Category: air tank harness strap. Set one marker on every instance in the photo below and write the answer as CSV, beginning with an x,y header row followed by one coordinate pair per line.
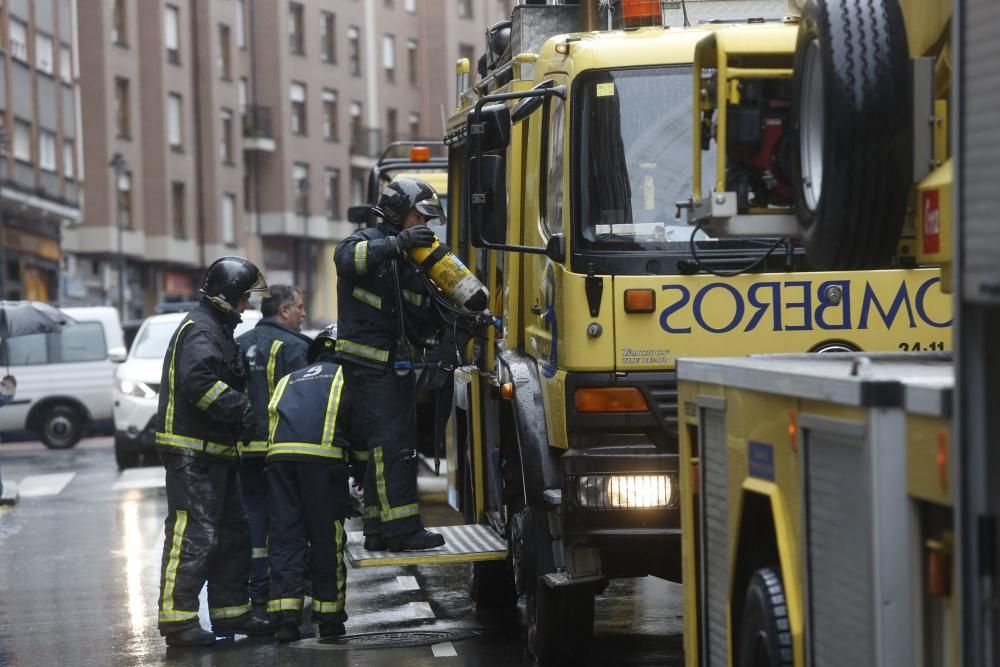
x,y
435,256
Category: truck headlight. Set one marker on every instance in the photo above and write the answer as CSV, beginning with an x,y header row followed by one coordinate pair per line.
x,y
140,389
625,491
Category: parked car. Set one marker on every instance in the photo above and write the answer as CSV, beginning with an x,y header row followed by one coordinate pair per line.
x,y
136,389
63,378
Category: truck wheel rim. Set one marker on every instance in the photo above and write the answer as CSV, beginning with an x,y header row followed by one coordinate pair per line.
x,y
60,428
812,122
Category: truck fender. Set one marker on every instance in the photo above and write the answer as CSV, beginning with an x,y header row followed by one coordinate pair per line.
x,y
539,463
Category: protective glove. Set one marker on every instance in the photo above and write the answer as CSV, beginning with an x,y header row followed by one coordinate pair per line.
x,y
419,236
248,424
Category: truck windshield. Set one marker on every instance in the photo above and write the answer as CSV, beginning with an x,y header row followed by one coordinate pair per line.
x,y
634,161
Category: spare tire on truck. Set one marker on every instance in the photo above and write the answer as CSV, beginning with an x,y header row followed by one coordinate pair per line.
x,y
852,112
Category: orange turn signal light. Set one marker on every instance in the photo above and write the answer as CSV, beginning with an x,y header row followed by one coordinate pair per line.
x,y
609,399
507,391
640,301
420,153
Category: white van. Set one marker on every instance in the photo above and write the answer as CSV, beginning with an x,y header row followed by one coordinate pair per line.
x,y
137,385
63,379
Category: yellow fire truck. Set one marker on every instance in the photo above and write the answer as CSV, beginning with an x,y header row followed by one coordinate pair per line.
x,y
817,493
569,163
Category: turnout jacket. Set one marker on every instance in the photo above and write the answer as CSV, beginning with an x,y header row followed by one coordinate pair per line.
x,y
310,416
270,351
201,389
368,325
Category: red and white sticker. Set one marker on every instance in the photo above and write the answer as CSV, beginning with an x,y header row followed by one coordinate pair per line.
x,y
932,222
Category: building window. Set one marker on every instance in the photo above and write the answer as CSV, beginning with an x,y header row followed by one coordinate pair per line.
x,y
297,94
119,29
241,27
69,158
229,219
226,140
18,38
225,70
389,4
411,59
354,50
175,133
122,107
389,57
65,64
43,53
390,125
328,37
465,9
172,34
125,198
330,115
178,206
300,183
410,6
22,141
357,140
467,51
47,150
242,91
414,126
332,191
296,31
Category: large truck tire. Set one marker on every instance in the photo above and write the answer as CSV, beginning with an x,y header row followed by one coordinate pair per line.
x,y
765,636
852,114
490,583
563,624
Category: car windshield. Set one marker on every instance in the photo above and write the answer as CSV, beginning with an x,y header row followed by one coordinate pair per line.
x,y
634,162
152,341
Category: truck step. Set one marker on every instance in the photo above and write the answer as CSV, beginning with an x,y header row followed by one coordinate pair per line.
x,y
463,544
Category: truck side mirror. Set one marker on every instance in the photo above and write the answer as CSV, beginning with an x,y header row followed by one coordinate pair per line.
x,y
555,249
488,210
360,215
493,128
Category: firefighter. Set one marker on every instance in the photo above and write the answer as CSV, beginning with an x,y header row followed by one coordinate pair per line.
x,y
384,308
202,414
271,350
307,457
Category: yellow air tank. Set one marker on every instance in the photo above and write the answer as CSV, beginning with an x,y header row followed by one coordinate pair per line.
x,y
448,272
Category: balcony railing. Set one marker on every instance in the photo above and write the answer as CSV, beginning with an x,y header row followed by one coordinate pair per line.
x,y
258,129
366,141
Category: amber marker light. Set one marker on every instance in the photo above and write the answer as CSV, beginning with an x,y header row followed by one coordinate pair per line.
x,y
640,301
507,391
609,399
420,153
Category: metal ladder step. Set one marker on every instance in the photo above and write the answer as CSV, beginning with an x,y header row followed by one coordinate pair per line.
x,y
463,544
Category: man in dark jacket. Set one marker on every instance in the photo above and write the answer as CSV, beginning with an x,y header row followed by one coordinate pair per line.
x,y
271,350
307,472
202,414
384,309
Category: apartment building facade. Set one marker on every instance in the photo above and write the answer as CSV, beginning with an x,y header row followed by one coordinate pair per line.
x,y
40,175
248,127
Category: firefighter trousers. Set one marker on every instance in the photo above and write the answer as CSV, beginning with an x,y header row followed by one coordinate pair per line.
x,y
384,410
207,539
253,486
308,504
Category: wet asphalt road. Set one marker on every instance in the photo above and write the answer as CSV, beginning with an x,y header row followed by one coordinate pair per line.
x,y
79,567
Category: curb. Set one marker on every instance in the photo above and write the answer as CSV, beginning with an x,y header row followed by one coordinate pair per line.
x,y
9,496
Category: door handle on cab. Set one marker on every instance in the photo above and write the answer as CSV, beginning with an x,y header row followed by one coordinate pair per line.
x,y
536,309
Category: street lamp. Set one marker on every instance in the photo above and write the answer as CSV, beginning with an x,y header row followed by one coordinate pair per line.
x,y
118,164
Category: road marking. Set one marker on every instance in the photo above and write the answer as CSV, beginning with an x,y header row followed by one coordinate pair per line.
x,y
44,485
141,478
408,583
444,650
421,610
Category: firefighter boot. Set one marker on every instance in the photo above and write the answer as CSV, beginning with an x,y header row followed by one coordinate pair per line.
x,y
374,543
331,630
288,632
190,637
416,541
250,626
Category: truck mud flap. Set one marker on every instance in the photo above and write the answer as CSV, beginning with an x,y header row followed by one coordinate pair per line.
x,y
463,544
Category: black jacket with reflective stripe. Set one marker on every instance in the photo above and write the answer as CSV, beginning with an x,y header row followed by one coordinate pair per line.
x,y
202,388
310,415
270,352
367,327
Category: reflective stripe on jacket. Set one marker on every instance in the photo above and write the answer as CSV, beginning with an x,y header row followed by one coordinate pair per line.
x,y
202,388
309,415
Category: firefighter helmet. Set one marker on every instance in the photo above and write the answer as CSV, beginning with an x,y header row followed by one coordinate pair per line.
x,y
323,345
229,279
406,193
